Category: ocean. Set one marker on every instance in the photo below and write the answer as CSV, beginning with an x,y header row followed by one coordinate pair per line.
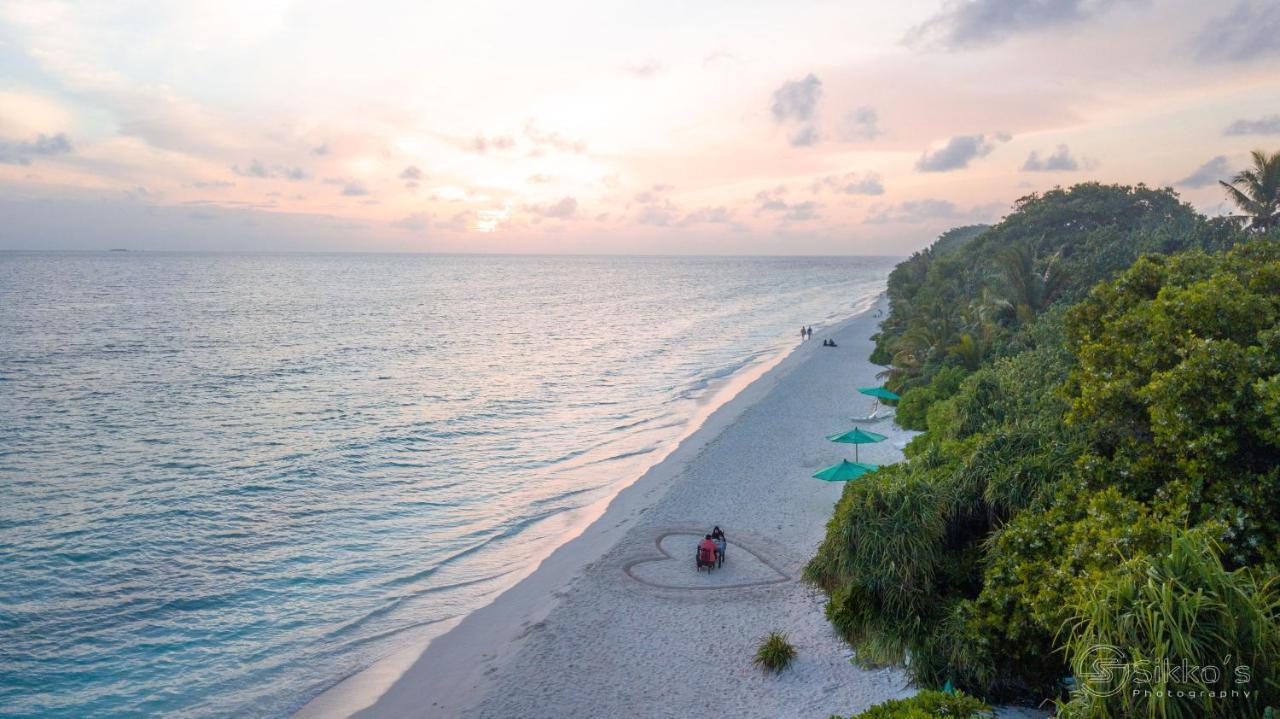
x,y
230,480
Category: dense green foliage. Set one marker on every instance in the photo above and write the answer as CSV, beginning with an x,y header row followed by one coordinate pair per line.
x,y
966,299
1177,607
1107,470
775,652
1256,191
929,705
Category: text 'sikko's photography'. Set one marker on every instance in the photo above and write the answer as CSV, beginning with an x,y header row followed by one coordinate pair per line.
x,y
564,360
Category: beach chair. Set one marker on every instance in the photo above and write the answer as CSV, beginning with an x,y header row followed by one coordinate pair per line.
x,y
877,413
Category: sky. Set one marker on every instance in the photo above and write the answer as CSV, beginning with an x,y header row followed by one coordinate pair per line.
x,y
856,127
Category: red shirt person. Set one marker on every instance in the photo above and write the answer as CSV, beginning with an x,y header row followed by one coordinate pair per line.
x,y
707,550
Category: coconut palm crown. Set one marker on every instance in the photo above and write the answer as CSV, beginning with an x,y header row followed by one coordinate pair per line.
x,y
1256,191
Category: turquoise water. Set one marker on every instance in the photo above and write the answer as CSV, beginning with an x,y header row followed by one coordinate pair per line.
x,y
231,480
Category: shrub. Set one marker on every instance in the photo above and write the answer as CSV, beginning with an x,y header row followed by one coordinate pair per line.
x,y
1166,613
1037,564
775,652
929,705
915,403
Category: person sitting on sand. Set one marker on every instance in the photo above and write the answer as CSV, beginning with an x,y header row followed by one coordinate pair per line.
x,y
707,551
717,536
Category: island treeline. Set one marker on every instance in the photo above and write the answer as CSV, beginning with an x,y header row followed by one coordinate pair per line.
x,y
1098,381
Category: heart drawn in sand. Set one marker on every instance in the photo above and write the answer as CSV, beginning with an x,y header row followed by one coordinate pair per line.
x,y
675,569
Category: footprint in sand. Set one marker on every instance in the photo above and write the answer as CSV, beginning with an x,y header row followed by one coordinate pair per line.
x,y
674,569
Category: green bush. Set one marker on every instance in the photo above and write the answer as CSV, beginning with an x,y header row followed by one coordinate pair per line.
x,y
775,652
1038,564
929,705
1177,609
913,409
1175,382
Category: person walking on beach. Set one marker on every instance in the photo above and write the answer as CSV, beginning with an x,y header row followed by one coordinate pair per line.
x,y
804,333
717,536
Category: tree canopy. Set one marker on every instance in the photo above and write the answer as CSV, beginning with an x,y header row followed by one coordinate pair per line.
x,y
1105,469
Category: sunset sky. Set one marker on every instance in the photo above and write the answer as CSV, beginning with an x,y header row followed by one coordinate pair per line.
x,y
625,127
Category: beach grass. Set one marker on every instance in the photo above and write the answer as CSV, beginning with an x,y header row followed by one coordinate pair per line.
x,y
775,653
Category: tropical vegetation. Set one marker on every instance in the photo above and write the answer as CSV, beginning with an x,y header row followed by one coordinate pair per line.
x,y
929,705
1256,191
775,652
1098,376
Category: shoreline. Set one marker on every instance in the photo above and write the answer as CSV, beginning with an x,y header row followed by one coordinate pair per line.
x,y
451,666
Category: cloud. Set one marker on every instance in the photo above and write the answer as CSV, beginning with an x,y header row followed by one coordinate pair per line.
x,y
958,153
354,188
481,144
862,123
416,222
1251,30
212,184
805,136
975,23
458,223
22,152
1269,125
716,57
661,214
772,202
708,215
851,184
261,170
412,176
543,139
1207,174
801,212
1060,161
655,208
320,150
797,99
540,179
563,209
931,210
647,68
653,194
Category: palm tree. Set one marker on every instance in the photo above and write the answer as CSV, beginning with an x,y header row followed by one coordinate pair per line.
x,y
1256,191
1028,288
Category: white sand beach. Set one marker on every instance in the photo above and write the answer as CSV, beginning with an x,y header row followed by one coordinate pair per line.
x,y
618,623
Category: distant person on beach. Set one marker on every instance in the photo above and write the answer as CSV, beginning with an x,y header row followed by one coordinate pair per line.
x,y
803,333
809,332
707,550
717,536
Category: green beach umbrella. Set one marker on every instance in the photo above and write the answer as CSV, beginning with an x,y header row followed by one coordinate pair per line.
x,y
878,393
855,437
844,471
